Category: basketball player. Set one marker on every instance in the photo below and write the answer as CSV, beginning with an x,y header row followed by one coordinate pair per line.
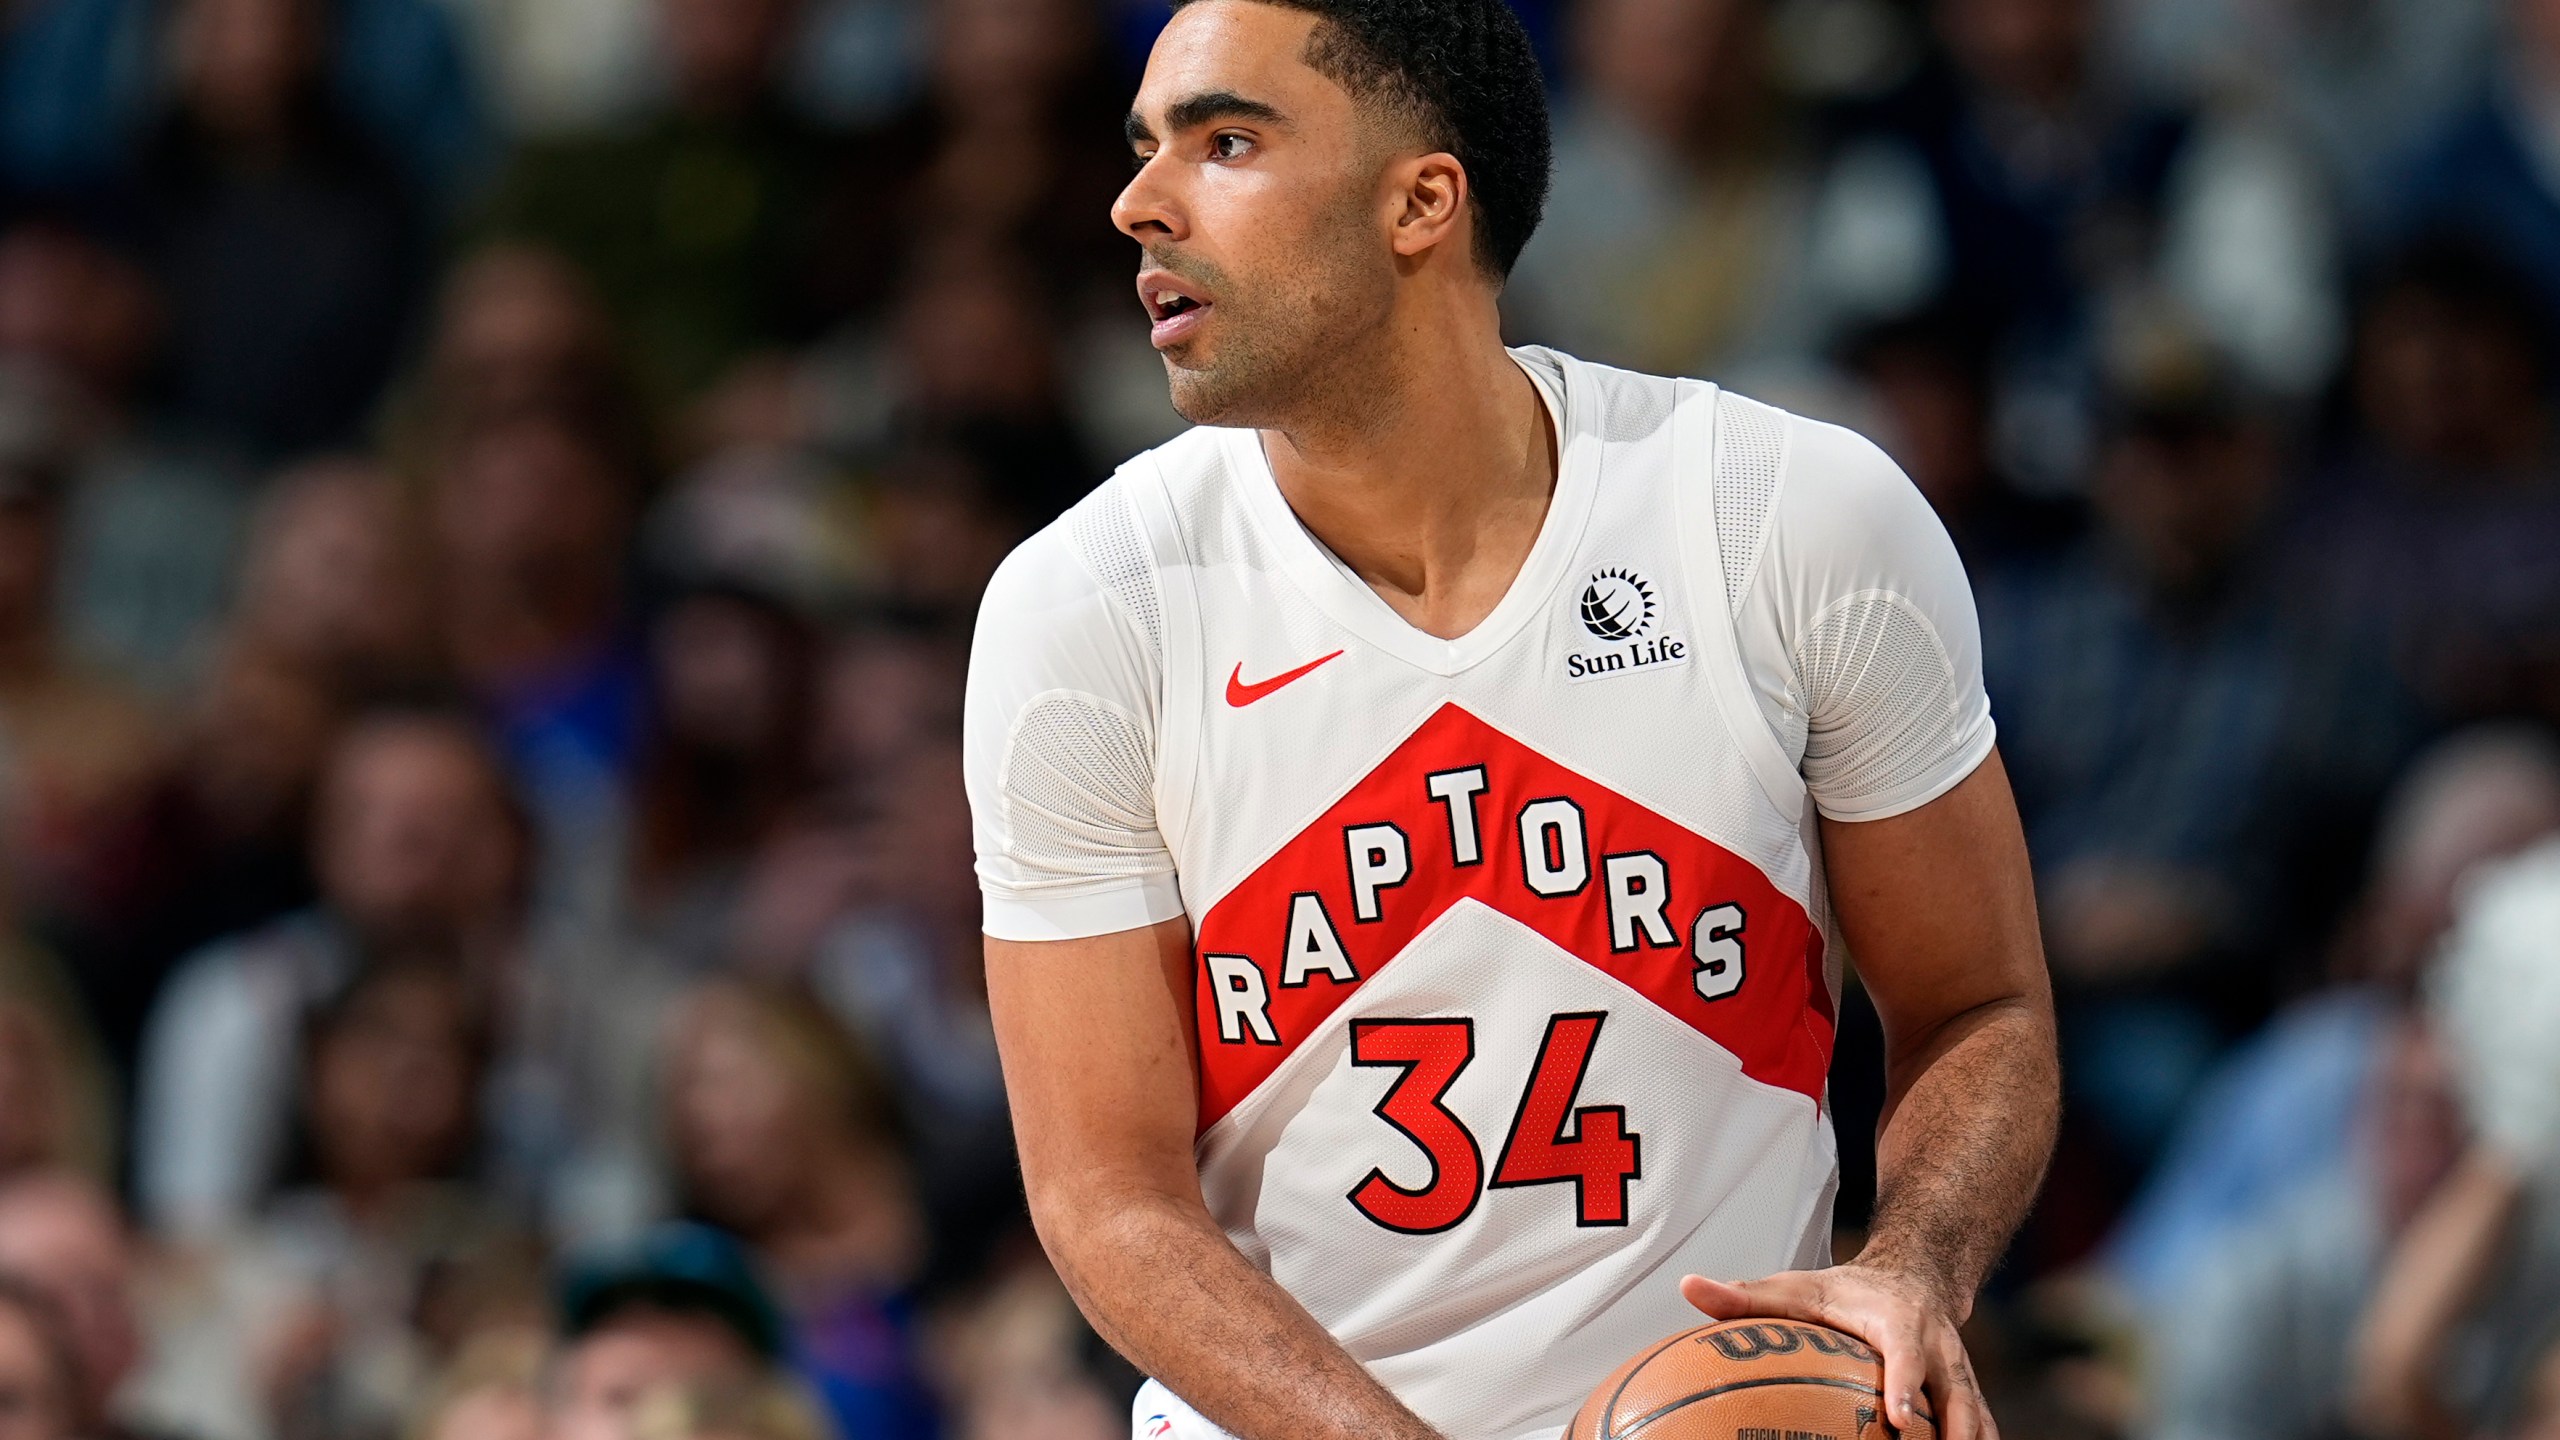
x,y
1424,811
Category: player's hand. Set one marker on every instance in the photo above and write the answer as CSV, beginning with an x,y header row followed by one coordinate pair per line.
x,y
1926,1374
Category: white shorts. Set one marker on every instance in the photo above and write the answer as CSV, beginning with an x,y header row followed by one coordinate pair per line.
x,y
1159,1414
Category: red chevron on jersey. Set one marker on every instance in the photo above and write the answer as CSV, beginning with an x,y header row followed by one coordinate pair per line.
x,y
1462,811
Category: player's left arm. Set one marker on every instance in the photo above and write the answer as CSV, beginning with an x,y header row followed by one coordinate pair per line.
x,y
1937,907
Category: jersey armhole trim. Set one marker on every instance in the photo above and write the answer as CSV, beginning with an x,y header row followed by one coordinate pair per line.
x,y
1694,496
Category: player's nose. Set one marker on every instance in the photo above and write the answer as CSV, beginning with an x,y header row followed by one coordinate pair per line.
x,y
1147,210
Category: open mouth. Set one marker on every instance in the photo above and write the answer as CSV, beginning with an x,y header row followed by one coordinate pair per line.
x,y
1174,305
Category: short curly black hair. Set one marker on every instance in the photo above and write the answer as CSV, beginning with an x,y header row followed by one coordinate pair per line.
x,y
1464,74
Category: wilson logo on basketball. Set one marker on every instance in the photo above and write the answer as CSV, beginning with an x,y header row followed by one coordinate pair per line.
x,y
1769,1337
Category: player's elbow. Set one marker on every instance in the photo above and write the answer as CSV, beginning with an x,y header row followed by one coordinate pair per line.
x,y
1096,1225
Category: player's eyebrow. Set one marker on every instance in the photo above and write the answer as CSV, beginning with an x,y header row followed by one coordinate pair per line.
x,y
1193,111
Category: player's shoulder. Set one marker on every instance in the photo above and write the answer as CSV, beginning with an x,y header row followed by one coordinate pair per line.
x,y
1766,465
1095,567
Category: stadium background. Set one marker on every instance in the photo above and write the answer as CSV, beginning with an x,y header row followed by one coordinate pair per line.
x,y
492,496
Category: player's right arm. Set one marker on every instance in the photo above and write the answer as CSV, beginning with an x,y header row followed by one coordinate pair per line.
x,y
1098,1062
1089,978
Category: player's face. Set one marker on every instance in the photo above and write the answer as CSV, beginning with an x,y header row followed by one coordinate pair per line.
x,y
1259,202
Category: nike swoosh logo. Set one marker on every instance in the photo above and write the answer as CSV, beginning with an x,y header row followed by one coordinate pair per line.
x,y
1240,694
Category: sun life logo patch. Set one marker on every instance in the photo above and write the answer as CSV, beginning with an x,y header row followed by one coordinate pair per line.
x,y
1617,605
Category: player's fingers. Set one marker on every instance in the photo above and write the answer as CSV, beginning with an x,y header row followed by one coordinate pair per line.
x,y
1791,1296
1908,1399
1896,1329
1963,1413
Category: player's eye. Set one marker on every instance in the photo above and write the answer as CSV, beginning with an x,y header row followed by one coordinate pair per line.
x,y
1138,161
1227,145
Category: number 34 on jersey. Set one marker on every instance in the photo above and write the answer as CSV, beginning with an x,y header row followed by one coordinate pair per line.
x,y
1464,815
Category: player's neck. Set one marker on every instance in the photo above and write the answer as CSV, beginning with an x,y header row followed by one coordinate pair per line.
x,y
1432,486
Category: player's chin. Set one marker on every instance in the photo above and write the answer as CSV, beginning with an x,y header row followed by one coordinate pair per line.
x,y
1197,392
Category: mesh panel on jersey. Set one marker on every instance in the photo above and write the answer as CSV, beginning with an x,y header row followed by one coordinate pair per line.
x,y
1105,532
1871,658
1078,790
1752,441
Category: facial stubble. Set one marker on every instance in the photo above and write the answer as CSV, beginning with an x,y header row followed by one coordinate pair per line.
x,y
1292,348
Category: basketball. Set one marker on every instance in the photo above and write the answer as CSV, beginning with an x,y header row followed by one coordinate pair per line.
x,y
1743,1380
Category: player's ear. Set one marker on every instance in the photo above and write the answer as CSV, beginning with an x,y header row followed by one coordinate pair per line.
x,y
1428,198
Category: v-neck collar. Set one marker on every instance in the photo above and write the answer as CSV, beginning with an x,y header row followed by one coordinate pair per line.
x,y
1349,601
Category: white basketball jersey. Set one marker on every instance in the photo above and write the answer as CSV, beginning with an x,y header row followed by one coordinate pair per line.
x,y
1515,980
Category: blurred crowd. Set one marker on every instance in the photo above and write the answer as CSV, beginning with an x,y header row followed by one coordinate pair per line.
x,y
492,498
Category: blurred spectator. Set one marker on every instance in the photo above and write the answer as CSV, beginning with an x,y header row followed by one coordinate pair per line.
x,y
1015,147
2259,1343
2496,994
719,226
334,1305
56,1108
2178,730
2414,1300
531,520
290,249
79,85
64,1238
2483,1259
1018,315
1928,380
330,613
2362,82
964,391
887,689
1675,237
763,509
2488,175
332,586
151,517
784,1135
901,964
38,1372
216,846
755,1411
1018,1361
2279,1113
731,679
2539,1417
946,511
2030,189
420,859
680,1307
518,333
972,327
76,750
2452,1336
2440,528
492,1391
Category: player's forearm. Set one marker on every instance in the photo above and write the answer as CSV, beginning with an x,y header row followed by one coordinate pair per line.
x,y
1163,1284
1968,1132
